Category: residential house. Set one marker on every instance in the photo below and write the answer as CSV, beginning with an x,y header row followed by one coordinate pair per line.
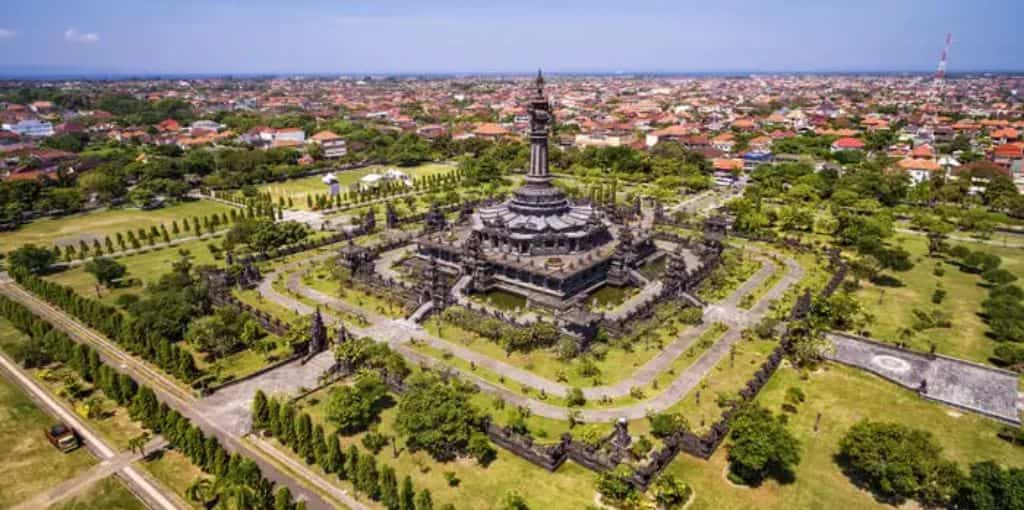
x,y
847,144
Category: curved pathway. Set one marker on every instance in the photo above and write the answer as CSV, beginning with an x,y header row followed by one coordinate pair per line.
x,y
397,333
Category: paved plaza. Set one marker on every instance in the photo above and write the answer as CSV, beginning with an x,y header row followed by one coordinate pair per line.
x,y
977,388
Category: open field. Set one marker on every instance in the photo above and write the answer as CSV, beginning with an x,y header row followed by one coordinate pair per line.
x,y
108,494
892,305
29,464
47,232
144,267
298,189
842,396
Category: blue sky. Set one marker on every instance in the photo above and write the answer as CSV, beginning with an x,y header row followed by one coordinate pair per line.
x,y
395,36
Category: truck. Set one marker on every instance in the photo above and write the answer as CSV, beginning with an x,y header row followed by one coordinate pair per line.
x,y
63,438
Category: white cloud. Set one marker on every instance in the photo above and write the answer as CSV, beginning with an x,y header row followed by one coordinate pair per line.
x,y
7,33
73,35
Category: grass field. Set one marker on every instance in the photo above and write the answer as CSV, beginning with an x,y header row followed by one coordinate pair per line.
x,y
144,267
298,189
29,464
176,472
47,232
892,305
108,494
843,396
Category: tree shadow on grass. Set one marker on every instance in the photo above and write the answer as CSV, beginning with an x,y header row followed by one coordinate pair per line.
x,y
885,280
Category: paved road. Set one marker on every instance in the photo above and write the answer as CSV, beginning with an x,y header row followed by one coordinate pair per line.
x,y
398,333
171,392
154,495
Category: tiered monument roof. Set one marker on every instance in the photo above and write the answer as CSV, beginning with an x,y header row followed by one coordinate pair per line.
x,y
538,207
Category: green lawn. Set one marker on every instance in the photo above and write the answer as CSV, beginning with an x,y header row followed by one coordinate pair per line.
x,y
108,494
842,396
144,267
892,306
46,232
298,189
29,464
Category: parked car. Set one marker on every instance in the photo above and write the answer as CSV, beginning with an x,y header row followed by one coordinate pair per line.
x,y
63,438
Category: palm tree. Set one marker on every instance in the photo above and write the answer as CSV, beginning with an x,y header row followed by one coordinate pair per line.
x,y
137,444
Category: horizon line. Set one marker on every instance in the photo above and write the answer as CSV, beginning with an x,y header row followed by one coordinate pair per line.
x,y
99,75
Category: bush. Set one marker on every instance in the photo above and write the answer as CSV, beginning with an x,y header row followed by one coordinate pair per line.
x,y
998,276
691,315
670,493
615,487
938,296
641,447
375,441
667,424
1009,354
481,450
574,398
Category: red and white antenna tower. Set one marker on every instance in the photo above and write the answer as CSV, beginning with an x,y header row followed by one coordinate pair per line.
x,y
940,74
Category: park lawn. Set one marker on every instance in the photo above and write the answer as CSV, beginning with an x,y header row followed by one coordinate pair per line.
x,y
892,307
175,472
298,189
571,487
46,232
616,365
238,364
107,494
29,464
838,394
146,268
322,281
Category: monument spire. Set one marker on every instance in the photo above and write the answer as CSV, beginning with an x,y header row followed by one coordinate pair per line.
x,y
540,119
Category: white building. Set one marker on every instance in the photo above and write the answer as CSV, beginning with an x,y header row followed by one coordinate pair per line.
x,y
30,127
290,134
